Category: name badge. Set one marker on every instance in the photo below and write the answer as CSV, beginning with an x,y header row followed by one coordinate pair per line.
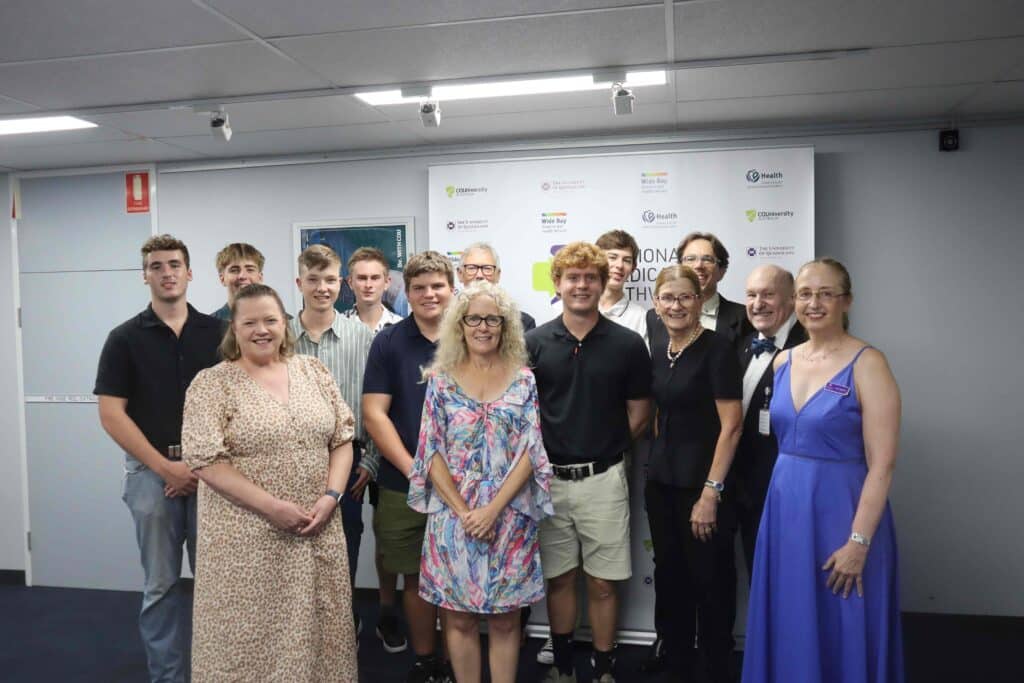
x,y
839,389
764,422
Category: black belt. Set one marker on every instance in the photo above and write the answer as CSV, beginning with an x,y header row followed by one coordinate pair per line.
x,y
585,469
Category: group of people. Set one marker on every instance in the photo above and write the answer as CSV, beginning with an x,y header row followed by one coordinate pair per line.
x,y
496,454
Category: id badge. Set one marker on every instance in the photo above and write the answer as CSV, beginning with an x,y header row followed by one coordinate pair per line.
x,y
764,422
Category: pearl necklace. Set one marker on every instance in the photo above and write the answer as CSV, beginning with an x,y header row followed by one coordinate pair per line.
x,y
673,357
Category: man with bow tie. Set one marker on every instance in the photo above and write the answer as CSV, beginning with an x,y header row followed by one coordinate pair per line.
x,y
770,304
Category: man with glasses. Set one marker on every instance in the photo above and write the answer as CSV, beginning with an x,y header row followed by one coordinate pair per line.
x,y
709,258
480,262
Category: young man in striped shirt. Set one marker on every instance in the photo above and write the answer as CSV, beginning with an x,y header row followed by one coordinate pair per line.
x,y
342,345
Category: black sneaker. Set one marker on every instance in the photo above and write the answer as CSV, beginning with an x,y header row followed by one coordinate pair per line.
x,y
655,657
391,635
421,673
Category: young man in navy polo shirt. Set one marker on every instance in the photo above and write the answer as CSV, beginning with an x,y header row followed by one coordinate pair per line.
x,y
145,367
393,394
593,384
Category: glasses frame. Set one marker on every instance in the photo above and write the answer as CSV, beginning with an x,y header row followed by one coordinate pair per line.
x,y
706,259
483,320
824,296
677,299
473,268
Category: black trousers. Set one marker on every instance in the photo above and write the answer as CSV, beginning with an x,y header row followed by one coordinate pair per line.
x,y
694,592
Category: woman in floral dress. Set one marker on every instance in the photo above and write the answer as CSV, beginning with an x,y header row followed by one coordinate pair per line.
x,y
482,475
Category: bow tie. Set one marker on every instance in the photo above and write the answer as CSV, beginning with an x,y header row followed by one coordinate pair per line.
x,y
759,346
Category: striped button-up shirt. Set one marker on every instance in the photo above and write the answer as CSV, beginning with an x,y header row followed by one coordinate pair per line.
x,y
343,348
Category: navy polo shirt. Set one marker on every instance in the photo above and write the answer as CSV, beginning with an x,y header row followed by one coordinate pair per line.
x,y
146,363
583,386
395,367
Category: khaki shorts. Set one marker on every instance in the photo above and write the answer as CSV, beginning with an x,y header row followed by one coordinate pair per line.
x,y
591,520
399,533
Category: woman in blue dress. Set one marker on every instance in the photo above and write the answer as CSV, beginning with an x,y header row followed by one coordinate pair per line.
x,y
824,597
481,474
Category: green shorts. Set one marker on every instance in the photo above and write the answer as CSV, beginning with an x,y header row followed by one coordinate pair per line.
x,y
399,532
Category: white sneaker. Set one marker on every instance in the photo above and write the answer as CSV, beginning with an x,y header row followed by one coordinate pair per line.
x,y
547,653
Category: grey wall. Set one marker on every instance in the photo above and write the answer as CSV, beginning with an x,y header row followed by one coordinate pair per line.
x,y
931,240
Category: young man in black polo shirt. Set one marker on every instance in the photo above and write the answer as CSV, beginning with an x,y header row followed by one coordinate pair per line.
x,y
593,383
393,394
145,367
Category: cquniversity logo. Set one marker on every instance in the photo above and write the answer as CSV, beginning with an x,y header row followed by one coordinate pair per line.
x,y
751,215
450,190
753,175
648,216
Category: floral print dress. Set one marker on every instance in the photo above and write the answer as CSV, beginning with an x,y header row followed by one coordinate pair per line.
x,y
481,442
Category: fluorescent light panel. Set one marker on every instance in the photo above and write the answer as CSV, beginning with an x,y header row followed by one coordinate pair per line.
x,y
539,86
42,125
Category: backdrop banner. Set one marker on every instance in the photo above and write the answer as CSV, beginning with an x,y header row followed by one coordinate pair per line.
x,y
760,203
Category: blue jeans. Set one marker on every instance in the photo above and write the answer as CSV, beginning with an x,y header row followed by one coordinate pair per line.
x,y
162,526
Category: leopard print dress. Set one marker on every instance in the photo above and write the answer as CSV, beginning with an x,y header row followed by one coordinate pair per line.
x,y
269,605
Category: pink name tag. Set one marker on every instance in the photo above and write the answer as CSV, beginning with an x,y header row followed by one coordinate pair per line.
x,y
837,389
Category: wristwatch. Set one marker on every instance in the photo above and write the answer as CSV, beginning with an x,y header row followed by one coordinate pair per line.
x,y
335,495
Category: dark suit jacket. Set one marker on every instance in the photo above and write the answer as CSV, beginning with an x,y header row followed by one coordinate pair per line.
x,y
528,322
732,323
756,453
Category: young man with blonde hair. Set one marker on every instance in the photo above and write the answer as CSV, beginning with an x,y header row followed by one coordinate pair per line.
x,y
238,264
393,395
145,367
369,277
593,383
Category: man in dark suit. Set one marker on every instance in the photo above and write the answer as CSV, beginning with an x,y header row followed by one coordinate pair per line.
x,y
709,258
769,292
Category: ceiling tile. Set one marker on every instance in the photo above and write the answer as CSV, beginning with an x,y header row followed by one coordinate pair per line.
x,y
636,36
44,29
303,141
198,73
851,107
91,154
995,98
752,27
247,117
271,18
945,64
9,106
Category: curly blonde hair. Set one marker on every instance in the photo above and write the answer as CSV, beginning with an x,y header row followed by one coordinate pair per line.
x,y
451,347
581,255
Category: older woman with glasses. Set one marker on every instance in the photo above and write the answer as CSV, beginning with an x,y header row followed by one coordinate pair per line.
x,y
697,391
825,563
481,474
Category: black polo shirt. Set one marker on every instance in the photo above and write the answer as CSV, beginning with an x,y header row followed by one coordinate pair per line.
x,y
685,395
144,362
395,367
583,387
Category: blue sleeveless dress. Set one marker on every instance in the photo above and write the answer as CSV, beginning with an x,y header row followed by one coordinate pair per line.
x,y
797,630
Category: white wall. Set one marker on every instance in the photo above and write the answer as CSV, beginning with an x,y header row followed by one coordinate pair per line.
x,y
932,242
12,524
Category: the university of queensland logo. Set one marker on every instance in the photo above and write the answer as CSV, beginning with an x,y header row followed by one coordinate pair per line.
x,y
451,225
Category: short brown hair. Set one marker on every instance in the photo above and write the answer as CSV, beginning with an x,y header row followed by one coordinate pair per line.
x,y
239,251
721,253
317,256
368,254
428,262
229,349
164,242
673,273
579,255
620,239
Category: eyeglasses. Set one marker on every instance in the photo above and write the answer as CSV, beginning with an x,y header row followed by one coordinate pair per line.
x,y
825,296
472,268
667,300
489,320
691,259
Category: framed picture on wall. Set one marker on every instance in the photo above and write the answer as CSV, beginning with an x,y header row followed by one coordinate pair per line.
x,y
393,236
